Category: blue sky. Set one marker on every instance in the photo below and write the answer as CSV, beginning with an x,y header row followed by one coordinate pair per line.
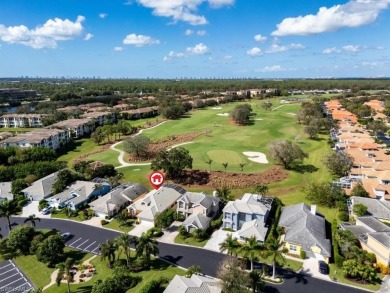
x,y
195,38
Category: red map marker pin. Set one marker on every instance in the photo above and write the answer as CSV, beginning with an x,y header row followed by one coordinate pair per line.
x,y
156,179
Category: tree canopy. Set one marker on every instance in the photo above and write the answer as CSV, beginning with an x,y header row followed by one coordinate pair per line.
x,y
137,145
325,194
172,162
242,114
338,163
286,152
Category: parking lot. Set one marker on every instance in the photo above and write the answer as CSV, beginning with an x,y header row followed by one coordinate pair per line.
x,y
84,244
12,279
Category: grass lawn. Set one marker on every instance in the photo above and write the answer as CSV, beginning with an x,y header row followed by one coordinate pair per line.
x,y
108,157
39,273
137,174
337,273
114,224
190,241
65,216
76,149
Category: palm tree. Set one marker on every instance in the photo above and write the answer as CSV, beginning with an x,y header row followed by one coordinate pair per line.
x,y
230,245
32,219
273,249
256,282
7,209
64,270
242,165
261,189
108,250
124,242
223,194
146,246
251,249
209,162
225,165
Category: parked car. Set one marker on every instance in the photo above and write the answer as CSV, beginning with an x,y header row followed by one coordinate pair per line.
x,y
323,267
66,236
46,210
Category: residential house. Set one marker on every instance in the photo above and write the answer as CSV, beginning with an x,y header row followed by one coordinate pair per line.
x,y
379,209
78,193
5,191
99,117
304,230
76,127
155,202
41,188
140,113
195,284
48,138
374,237
22,120
248,214
118,198
199,209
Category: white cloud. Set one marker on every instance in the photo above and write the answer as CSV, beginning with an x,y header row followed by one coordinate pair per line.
x,y
189,32
199,49
333,50
183,10
201,33
139,40
103,15
118,49
273,68
355,13
255,51
43,36
260,38
275,48
352,48
88,37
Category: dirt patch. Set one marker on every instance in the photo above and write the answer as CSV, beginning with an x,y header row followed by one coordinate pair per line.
x,y
216,179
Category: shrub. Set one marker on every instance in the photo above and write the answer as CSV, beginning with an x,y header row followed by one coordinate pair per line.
x,y
215,224
385,270
42,204
302,254
103,222
343,216
153,286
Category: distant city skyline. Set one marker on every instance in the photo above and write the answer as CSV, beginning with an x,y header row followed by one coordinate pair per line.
x,y
195,38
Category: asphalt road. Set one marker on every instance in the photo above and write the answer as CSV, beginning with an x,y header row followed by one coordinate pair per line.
x,y
185,256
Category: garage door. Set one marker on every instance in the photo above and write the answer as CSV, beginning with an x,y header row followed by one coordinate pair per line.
x,y
319,256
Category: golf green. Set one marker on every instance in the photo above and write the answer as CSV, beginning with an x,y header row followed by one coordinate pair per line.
x,y
225,156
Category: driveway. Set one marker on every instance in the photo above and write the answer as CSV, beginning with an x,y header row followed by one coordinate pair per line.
x,y
141,228
385,287
32,209
310,267
216,238
170,233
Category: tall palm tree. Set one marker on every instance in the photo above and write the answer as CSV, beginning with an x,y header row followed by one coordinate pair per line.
x,y
261,189
124,241
230,245
108,250
256,282
242,165
146,246
251,249
275,250
223,194
32,219
225,165
209,162
7,209
64,270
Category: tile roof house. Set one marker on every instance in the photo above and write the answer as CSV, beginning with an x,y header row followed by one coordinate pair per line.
x,y
248,214
199,209
155,202
78,193
195,284
304,229
41,188
379,209
5,191
114,201
374,237
76,127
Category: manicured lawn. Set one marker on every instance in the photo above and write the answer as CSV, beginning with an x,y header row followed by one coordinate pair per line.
x,y
138,174
190,241
337,273
76,149
108,157
65,216
127,227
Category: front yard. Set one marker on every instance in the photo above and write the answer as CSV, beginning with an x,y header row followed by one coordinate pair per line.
x,y
190,241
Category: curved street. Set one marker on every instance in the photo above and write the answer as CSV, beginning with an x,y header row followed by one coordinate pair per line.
x,y
183,256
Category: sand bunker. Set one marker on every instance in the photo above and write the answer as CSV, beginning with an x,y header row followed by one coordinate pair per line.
x,y
291,114
256,157
216,108
259,119
223,114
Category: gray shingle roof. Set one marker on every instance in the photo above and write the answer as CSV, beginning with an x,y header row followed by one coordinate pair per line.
x,y
195,284
304,228
253,228
373,224
42,187
198,220
248,204
376,208
382,237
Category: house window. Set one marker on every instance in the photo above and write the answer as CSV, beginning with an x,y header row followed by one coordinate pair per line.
x,y
241,217
227,216
293,247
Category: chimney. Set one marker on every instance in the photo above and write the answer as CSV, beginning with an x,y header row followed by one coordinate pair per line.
x,y
214,193
313,208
